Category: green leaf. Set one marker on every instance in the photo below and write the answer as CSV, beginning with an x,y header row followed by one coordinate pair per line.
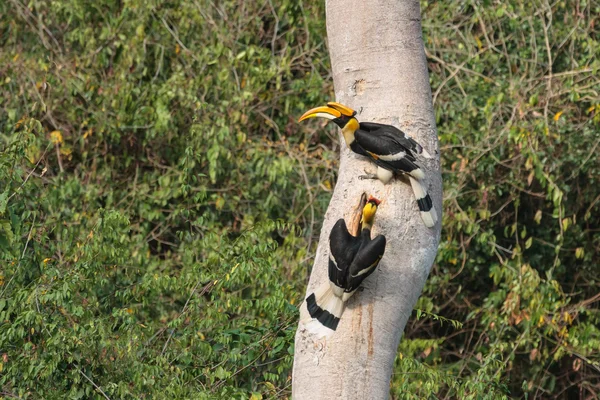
x,y
3,201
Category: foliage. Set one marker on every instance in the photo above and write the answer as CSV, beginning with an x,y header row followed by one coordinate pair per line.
x,y
516,97
159,206
153,207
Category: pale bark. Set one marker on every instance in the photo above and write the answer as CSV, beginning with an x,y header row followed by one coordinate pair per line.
x,y
379,67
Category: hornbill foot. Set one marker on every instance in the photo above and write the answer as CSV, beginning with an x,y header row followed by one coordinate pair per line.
x,y
368,176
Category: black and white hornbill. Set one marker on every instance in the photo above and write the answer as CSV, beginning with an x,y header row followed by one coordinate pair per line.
x,y
387,146
351,260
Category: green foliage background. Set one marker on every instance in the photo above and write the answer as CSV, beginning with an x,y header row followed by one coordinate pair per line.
x,y
160,207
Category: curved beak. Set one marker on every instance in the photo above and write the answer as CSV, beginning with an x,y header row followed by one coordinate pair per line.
x,y
321,112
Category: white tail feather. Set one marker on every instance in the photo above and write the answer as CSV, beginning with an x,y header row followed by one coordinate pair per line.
x,y
331,303
327,299
316,328
417,188
322,291
429,217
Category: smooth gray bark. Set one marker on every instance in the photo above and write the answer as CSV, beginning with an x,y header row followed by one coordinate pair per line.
x,y
379,67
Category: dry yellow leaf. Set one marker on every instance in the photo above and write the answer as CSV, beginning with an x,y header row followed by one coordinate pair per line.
x,y
56,137
479,44
557,115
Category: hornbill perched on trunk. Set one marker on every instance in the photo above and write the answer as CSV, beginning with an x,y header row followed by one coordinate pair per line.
x,y
351,260
390,148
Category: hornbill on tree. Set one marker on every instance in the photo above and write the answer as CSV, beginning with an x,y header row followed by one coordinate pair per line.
x,y
351,260
387,146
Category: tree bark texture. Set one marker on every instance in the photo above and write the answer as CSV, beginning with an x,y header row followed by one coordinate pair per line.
x,y
379,69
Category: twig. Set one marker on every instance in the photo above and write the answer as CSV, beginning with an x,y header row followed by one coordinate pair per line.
x,y
92,382
22,255
592,152
28,175
549,52
275,29
185,306
60,165
462,68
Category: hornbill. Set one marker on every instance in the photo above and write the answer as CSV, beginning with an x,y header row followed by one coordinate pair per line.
x,y
387,146
351,260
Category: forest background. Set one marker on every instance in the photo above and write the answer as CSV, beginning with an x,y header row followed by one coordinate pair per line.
x,y
160,206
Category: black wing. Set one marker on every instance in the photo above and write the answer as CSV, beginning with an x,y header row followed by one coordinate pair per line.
x,y
393,134
365,262
386,152
379,142
343,247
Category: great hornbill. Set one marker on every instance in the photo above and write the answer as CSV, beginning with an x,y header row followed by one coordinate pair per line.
x,y
387,146
351,260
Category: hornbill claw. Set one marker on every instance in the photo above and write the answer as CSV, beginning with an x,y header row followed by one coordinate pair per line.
x,y
367,176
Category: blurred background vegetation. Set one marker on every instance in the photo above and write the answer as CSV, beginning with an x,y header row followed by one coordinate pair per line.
x,y
160,207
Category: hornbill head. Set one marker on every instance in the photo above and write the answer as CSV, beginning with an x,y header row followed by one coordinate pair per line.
x,y
340,114
369,211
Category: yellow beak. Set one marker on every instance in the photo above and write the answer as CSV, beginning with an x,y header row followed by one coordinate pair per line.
x,y
322,112
369,213
342,108
332,111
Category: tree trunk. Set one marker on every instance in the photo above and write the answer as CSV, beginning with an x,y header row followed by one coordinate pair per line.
x,y
380,70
